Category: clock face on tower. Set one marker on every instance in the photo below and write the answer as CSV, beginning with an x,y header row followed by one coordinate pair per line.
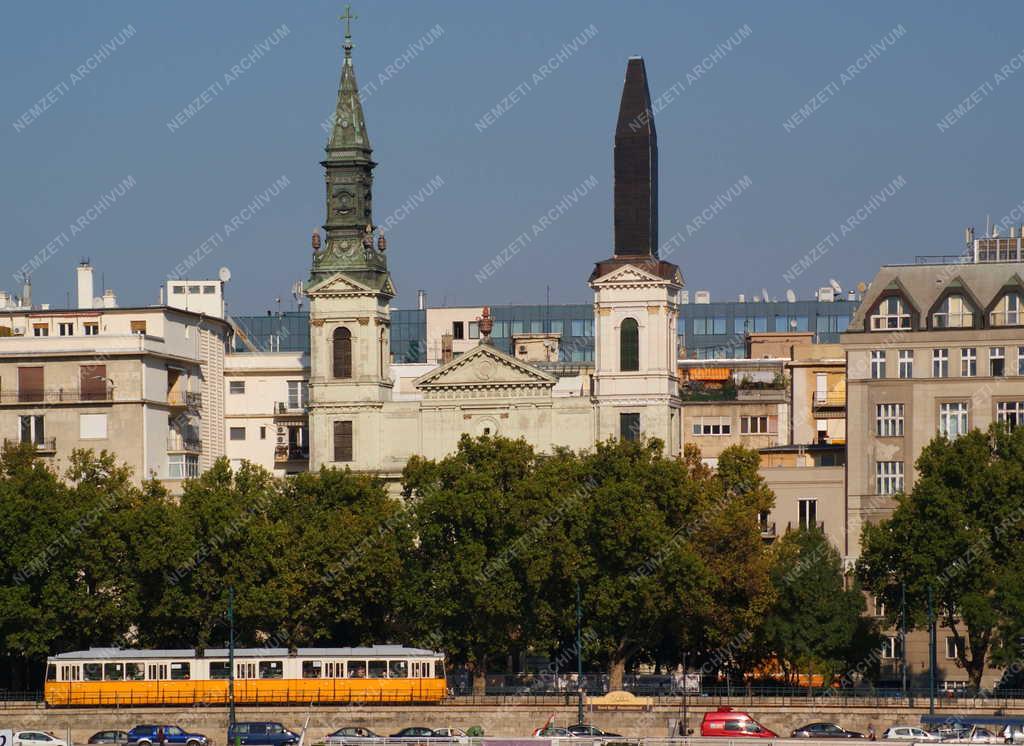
x,y
342,200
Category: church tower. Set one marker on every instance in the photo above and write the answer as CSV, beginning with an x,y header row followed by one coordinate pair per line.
x,y
636,294
350,292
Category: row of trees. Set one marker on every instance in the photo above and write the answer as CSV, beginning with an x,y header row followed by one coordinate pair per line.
x,y
482,559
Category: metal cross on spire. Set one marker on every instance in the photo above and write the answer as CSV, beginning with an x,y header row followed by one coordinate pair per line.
x,y
348,18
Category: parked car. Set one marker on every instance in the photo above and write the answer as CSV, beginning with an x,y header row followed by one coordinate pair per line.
x,y
976,734
261,733
414,732
453,734
109,736
553,732
590,730
36,738
825,730
908,733
351,736
730,723
148,735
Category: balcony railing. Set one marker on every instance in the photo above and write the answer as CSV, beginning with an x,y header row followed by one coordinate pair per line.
x,y
54,396
188,444
283,407
768,530
291,453
43,445
963,320
790,526
186,399
822,401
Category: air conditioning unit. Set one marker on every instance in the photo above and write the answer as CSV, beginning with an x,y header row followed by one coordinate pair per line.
x,y
826,295
702,296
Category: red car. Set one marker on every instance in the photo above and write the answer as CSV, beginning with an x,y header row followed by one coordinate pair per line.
x,y
731,723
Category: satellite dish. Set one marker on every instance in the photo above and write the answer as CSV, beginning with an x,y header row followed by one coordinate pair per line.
x,y
792,323
835,285
224,274
764,295
791,296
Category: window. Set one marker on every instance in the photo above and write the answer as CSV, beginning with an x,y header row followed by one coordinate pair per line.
x,y
953,419
952,649
709,325
1011,413
356,669
66,329
298,394
583,327
891,647
182,466
536,327
629,345
138,327
263,433
236,387
808,513
342,353
629,426
759,424
457,330
1020,361
940,363
954,313
1007,310
134,671
92,426
193,289
92,382
906,363
179,290
209,289
892,313
30,383
271,669
398,670
219,670
889,420
878,363
712,426
181,671
877,606
92,672
969,362
888,477
113,671
40,330
474,330
556,326
90,328
343,440
997,362
237,433
378,669
311,669
32,430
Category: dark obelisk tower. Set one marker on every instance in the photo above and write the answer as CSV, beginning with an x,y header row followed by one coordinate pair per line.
x,y
636,168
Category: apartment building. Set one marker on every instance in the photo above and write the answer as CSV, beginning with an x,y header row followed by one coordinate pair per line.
x,y
144,383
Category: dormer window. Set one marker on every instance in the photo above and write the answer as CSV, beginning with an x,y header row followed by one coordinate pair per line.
x,y
1007,311
954,313
892,313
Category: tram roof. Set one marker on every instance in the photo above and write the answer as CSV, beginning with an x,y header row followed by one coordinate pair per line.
x,y
382,651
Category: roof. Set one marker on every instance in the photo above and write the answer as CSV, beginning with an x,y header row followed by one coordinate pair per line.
x,y
384,651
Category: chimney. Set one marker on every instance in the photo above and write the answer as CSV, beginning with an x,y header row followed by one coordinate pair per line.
x,y
26,293
109,299
85,285
447,354
421,299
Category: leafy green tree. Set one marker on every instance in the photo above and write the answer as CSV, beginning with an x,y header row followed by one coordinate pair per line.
x,y
816,622
958,534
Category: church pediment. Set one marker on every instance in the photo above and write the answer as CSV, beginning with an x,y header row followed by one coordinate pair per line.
x,y
340,285
633,274
485,368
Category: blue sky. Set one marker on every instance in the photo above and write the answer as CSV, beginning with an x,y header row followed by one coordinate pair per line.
x,y
877,123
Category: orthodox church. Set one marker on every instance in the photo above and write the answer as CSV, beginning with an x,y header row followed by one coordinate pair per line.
x,y
371,415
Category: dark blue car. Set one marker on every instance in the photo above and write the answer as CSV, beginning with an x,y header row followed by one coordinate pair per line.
x,y
261,733
154,735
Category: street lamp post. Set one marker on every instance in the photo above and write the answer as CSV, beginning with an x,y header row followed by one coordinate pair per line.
x,y
931,654
579,655
231,663
903,638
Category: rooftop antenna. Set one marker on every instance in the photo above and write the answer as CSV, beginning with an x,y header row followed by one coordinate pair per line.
x,y
297,293
764,295
988,225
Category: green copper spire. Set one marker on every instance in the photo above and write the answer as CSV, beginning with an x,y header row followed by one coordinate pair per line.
x,y
351,246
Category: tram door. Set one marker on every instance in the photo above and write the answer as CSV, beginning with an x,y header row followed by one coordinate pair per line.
x,y
157,672
418,671
246,671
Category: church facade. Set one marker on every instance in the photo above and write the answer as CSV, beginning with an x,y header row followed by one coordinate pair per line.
x,y
371,415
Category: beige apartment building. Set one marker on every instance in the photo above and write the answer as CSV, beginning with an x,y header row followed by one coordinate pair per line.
x,y
143,383
934,349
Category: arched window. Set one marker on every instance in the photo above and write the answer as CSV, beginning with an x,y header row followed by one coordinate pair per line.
x,y
342,353
1009,311
629,345
382,354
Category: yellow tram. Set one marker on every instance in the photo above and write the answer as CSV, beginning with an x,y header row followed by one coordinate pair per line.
x,y
111,676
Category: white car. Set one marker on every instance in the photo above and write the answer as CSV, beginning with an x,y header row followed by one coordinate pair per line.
x,y
455,734
908,733
36,738
977,735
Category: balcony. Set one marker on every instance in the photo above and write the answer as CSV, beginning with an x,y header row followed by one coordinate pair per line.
x,y
768,531
70,395
43,445
179,443
801,525
825,404
284,454
185,399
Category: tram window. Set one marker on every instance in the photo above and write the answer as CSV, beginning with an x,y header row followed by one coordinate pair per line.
x,y
134,671
439,669
378,669
181,671
311,669
220,670
398,670
92,672
113,671
51,671
356,669
271,669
